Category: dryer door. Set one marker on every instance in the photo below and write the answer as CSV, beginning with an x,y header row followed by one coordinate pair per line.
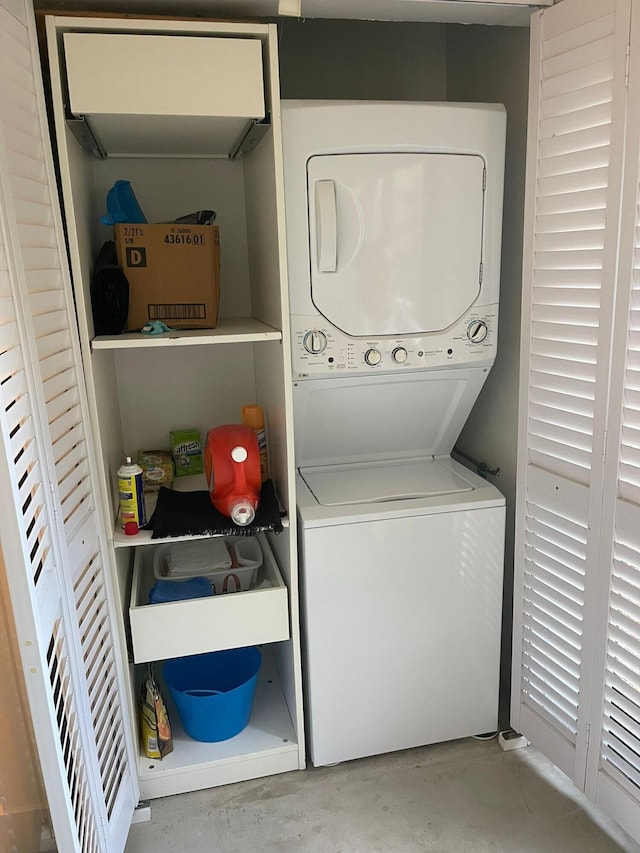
x,y
395,239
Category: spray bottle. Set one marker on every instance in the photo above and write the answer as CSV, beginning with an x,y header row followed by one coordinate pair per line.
x,y
133,514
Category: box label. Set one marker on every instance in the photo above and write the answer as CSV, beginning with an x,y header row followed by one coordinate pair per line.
x,y
184,239
136,256
174,311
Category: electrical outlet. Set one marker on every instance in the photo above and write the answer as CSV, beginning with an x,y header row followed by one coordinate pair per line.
x,y
512,740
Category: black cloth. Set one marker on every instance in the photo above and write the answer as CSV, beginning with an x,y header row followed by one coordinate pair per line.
x,y
193,514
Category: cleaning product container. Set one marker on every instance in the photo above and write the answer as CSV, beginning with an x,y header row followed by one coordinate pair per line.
x,y
213,693
232,468
133,514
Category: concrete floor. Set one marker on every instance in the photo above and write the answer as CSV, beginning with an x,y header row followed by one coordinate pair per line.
x,y
463,797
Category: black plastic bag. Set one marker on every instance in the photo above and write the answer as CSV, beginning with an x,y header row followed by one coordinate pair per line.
x,y
109,293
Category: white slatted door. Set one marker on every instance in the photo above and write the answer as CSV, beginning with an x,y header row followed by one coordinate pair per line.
x,y
52,536
614,761
577,98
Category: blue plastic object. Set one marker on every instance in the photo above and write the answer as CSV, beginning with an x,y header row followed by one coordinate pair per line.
x,y
122,205
155,327
163,591
213,693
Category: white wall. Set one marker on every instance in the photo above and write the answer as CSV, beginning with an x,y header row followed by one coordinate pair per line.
x,y
362,60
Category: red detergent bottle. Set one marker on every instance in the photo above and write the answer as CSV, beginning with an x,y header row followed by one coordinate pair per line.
x,y
232,468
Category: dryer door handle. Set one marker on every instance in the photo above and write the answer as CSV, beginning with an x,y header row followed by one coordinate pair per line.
x,y
326,226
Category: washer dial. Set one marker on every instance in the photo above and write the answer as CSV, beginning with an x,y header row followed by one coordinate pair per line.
x,y
315,342
373,357
400,355
477,331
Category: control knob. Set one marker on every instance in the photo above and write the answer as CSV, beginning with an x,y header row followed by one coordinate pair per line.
x,y
315,342
477,331
373,357
399,355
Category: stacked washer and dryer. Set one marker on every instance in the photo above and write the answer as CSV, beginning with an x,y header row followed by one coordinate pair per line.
x,y
394,217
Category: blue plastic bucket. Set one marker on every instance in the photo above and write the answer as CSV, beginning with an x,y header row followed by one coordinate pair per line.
x,y
213,693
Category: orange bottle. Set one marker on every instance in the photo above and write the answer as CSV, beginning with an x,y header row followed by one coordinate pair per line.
x,y
253,417
232,467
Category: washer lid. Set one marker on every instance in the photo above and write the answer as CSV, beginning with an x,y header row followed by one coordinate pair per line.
x,y
395,239
383,416
337,485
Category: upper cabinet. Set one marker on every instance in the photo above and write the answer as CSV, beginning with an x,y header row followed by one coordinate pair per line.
x,y
134,102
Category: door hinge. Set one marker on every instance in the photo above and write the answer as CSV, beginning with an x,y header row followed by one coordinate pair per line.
x,y
54,498
627,60
604,445
588,733
484,178
480,272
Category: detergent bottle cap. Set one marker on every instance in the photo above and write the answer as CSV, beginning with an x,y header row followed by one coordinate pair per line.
x,y
239,454
242,512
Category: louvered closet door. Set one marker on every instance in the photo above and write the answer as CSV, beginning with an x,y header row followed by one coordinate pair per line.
x,y
50,527
614,759
577,102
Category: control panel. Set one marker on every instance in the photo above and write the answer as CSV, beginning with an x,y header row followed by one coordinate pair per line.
x,y
319,349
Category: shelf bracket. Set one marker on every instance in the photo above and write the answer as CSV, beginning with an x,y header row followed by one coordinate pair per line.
x,y
79,127
251,137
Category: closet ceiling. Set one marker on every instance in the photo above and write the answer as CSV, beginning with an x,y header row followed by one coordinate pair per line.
x,y
514,13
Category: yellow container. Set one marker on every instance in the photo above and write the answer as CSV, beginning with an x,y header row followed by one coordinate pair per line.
x,y
253,416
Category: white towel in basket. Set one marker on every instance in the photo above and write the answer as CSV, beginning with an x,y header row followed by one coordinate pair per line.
x,y
200,557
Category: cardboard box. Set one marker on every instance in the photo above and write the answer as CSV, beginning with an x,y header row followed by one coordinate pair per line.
x,y
173,272
157,469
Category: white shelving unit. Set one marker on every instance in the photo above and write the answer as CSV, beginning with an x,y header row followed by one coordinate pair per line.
x,y
140,386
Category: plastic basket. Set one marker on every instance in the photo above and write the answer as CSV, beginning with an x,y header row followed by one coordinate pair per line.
x,y
210,558
213,693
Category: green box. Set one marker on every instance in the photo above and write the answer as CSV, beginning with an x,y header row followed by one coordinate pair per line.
x,y
186,449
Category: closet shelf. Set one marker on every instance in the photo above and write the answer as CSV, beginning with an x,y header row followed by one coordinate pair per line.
x,y
232,330
268,745
121,540
143,537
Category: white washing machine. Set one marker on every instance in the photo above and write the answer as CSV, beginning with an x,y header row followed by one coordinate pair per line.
x,y
393,234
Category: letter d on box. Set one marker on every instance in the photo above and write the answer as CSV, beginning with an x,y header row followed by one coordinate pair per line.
x,y
136,257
